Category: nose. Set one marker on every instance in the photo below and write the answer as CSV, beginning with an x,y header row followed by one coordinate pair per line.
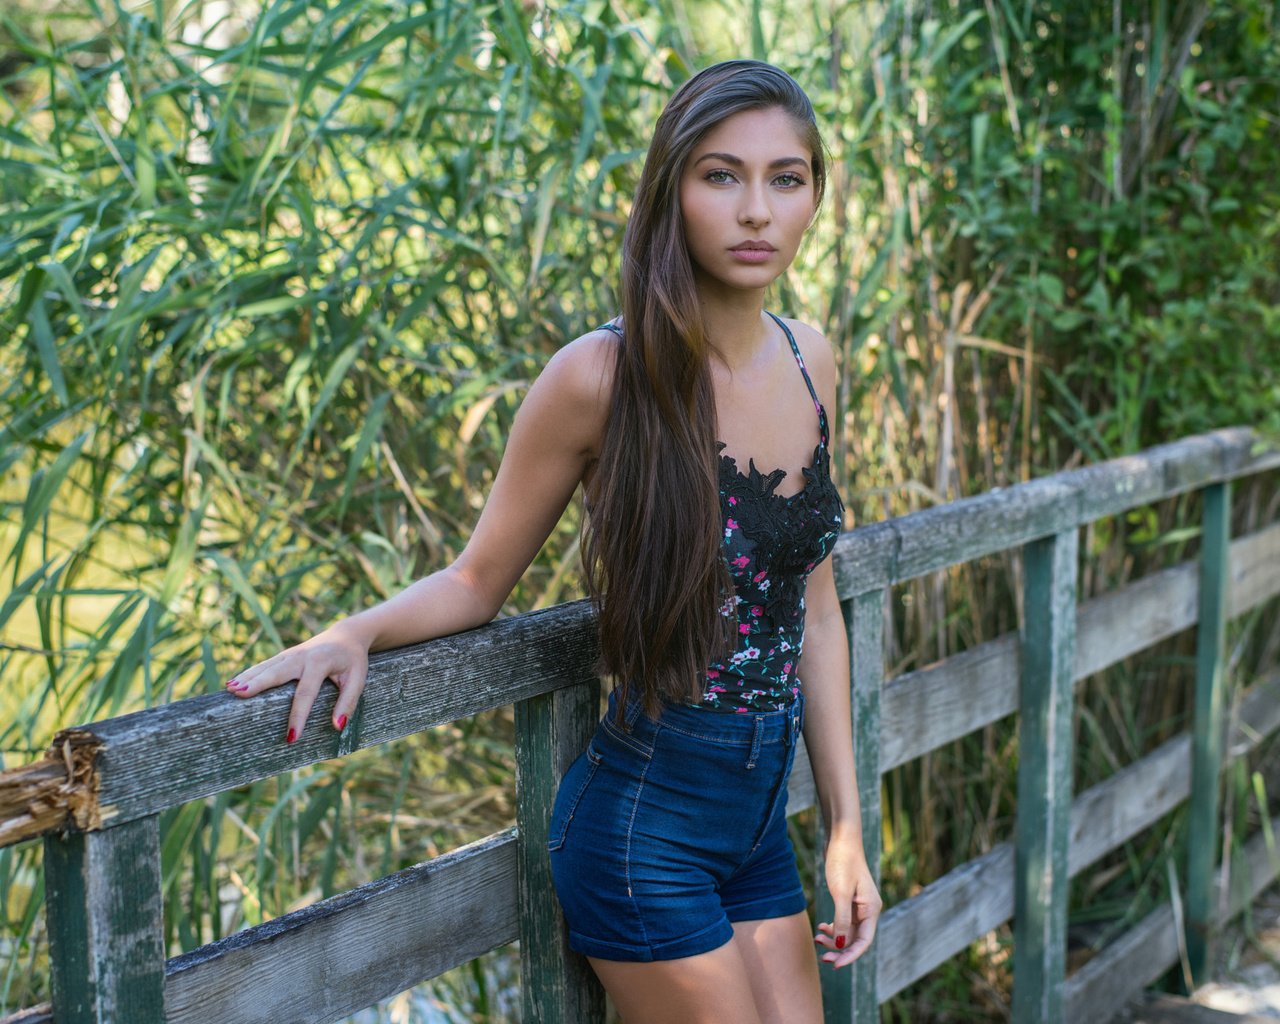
x,y
755,206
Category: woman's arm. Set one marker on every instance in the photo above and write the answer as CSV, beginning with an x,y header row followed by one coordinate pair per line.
x,y
555,437
828,737
828,730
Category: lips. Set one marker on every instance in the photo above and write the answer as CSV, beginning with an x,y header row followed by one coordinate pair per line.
x,y
752,251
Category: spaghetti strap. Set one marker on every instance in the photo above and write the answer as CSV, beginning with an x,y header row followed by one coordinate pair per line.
x,y
795,350
611,327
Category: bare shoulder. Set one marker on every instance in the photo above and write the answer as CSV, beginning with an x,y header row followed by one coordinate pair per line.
x,y
571,396
819,357
582,371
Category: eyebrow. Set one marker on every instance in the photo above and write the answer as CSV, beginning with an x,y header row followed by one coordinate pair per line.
x,y
737,161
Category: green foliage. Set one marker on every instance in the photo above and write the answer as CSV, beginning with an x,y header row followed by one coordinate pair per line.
x,y
273,281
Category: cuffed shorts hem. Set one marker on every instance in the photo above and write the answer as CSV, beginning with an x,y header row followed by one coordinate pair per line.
x,y
702,941
760,910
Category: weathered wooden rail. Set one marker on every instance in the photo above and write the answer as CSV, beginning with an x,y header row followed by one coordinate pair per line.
x,y
331,959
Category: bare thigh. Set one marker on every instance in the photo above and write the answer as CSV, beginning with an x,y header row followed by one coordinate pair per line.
x,y
766,974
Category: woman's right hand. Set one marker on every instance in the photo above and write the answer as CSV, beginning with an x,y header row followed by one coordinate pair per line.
x,y
339,654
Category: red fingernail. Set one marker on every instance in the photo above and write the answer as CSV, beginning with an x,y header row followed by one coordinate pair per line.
x,y
839,942
342,722
293,735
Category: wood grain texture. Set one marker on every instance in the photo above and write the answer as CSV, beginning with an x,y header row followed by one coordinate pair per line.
x,y
327,961
922,710
1045,758
915,936
58,791
918,934
801,792
850,995
1254,571
1101,988
1206,724
1096,992
105,918
557,985
972,527
166,755
1134,798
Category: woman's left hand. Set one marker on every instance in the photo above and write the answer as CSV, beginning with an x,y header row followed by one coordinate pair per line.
x,y
857,902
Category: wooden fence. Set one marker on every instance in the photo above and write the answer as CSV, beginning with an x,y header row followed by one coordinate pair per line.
x,y
110,780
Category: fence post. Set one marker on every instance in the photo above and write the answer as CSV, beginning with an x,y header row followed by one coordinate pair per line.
x,y
557,986
105,914
1044,779
849,996
1206,732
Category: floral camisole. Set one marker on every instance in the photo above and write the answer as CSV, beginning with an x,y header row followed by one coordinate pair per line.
x,y
771,544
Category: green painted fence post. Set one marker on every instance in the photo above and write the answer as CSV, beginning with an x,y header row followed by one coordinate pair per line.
x,y
1203,833
1044,779
849,996
105,914
557,986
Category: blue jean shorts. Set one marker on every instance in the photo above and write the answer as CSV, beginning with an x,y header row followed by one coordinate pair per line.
x,y
664,835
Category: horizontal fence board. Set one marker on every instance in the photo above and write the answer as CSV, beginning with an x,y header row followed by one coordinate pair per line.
x,y
1134,798
1119,624
986,524
164,756
801,791
1254,570
329,960
1101,988
918,934
963,530
192,748
922,710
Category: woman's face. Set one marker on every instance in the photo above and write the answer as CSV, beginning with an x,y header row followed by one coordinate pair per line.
x,y
747,196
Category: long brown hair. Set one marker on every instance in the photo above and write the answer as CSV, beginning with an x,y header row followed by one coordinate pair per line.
x,y
652,559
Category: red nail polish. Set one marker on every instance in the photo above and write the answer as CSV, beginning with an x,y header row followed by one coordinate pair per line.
x,y
293,735
839,942
342,722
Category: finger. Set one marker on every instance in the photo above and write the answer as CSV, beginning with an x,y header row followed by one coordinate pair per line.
x,y
349,691
860,943
303,699
283,668
842,926
256,675
860,938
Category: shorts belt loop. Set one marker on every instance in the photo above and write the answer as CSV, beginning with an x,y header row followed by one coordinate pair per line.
x,y
756,739
635,705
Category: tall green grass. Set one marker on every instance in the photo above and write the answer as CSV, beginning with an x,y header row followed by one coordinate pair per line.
x,y
273,280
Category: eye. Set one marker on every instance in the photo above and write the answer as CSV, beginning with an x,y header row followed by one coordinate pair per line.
x,y
789,180
719,176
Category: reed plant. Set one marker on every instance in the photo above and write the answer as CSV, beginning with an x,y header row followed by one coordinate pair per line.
x,y
274,277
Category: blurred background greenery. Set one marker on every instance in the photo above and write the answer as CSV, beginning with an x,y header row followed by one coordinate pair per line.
x,y
274,278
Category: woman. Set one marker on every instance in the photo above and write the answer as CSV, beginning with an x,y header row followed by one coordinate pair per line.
x,y
669,842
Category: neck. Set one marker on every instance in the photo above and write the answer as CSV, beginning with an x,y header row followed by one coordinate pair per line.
x,y
735,323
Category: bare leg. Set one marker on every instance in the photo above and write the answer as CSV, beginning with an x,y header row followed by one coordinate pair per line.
x,y
783,967
766,974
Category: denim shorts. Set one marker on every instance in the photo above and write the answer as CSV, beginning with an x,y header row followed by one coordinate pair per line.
x,y
663,836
